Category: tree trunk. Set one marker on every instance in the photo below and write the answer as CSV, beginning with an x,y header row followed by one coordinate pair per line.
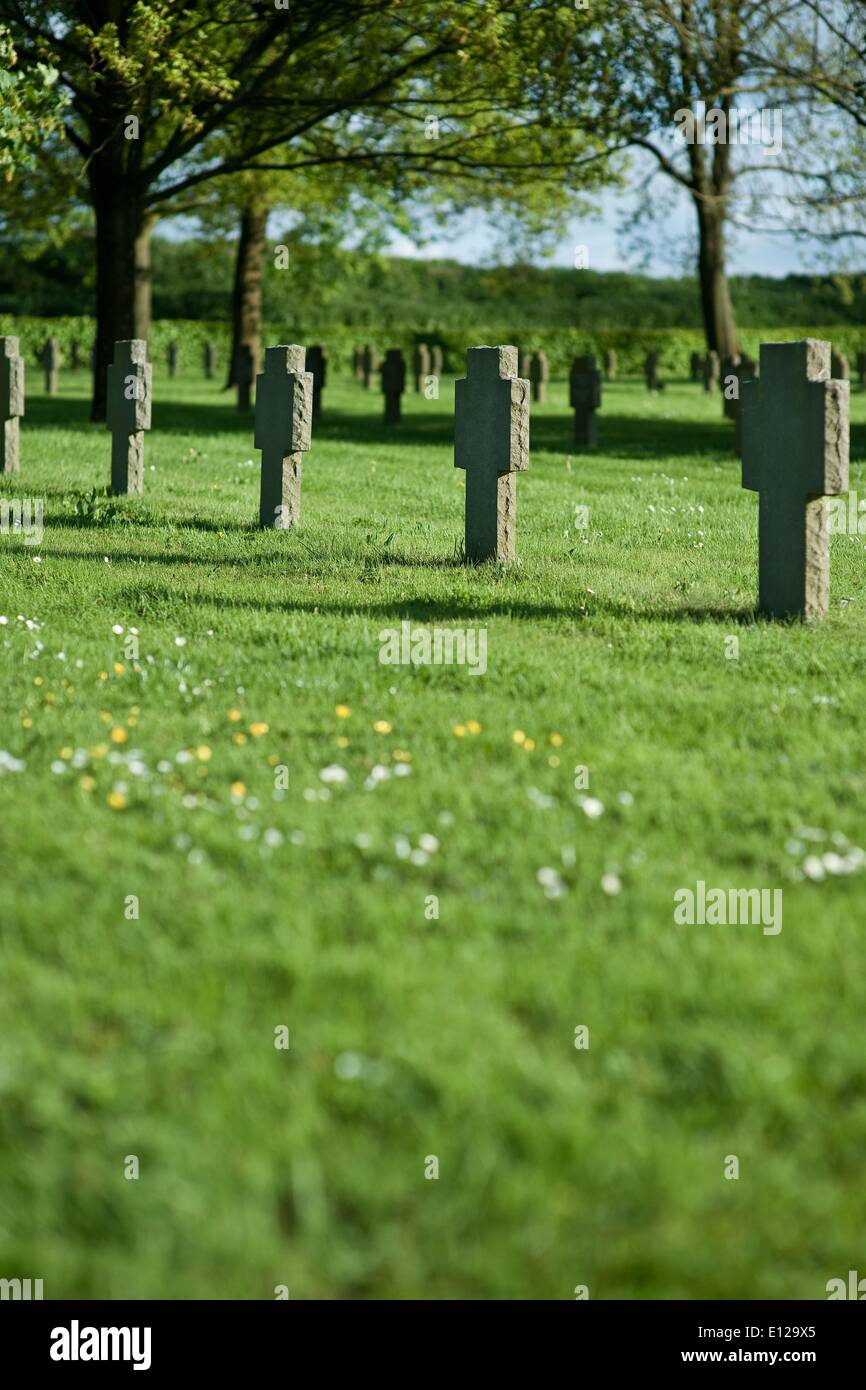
x,y
120,296
718,311
247,290
143,302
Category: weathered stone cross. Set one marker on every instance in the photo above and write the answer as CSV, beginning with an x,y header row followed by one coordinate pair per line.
x,y
51,361
172,357
210,360
420,365
610,364
393,384
369,363
585,399
128,414
11,403
491,441
284,413
539,375
795,453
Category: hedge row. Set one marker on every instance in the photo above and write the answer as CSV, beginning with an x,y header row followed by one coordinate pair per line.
x,y
630,344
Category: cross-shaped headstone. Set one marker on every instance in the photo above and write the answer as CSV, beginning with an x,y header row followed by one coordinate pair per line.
x,y
244,374
75,354
839,366
795,453
11,403
210,360
317,364
651,371
369,363
585,398
491,441
539,375
861,368
128,414
284,414
172,357
711,371
50,359
696,366
393,384
420,365
610,365
735,372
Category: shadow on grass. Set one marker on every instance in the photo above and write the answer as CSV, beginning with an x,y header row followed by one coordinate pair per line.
x,y
620,436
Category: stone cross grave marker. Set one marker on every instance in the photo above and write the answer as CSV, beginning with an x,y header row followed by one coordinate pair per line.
x,y
244,374
75,354
736,371
585,398
369,365
839,369
210,360
393,384
172,357
711,371
491,441
317,365
420,365
696,366
539,375
651,371
795,453
610,365
11,403
128,414
861,368
284,415
50,359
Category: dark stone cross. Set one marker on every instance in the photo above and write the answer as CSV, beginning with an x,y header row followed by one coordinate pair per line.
x,y
737,371
585,398
539,375
393,384
210,360
75,354
50,359
172,357
317,364
491,441
369,365
128,414
696,366
651,371
420,365
284,413
795,453
11,404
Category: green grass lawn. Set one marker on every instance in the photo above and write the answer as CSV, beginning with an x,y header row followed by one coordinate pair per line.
x,y
309,907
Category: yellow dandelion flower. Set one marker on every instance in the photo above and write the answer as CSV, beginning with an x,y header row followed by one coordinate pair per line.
x,y
472,726
119,668
135,709
116,800
238,789
234,715
529,744
239,739
258,729
519,736
402,756
342,711
203,754
27,723
382,726
99,751
87,784
342,741
39,680
66,753
103,675
459,730
272,759
105,716
119,736
555,740
132,721
553,760
50,697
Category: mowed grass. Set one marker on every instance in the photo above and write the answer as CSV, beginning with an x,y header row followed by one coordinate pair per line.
x,y
414,1036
